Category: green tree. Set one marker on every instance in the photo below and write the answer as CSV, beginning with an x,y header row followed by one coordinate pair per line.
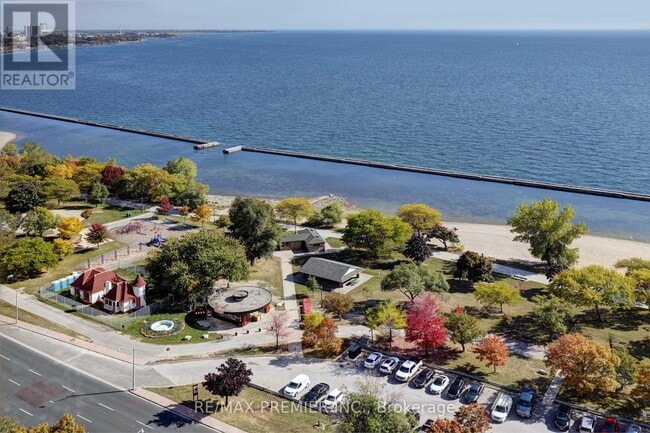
x,y
38,220
97,194
417,249
386,316
548,230
498,293
627,367
473,267
184,167
337,304
231,378
550,315
443,234
366,412
633,264
412,280
34,160
26,258
462,328
24,196
97,234
593,286
419,216
377,233
331,214
8,226
294,208
251,222
62,248
60,189
312,283
189,266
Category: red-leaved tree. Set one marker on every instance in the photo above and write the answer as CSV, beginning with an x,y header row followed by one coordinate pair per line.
x,y
165,206
424,324
493,350
111,175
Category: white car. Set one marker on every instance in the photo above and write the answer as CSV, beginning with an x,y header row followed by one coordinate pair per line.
x,y
373,360
438,384
389,365
633,428
501,407
407,370
332,400
298,384
587,424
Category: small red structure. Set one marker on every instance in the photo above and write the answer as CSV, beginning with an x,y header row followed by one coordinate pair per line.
x,y
305,307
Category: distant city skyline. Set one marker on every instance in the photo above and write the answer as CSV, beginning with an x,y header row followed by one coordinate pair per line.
x,y
364,14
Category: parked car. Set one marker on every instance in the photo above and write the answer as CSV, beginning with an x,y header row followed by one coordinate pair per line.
x,y
501,407
587,424
316,393
610,425
373,360
332,400
474,392
297,385
456,387
525,403
407,370
427,425
562,418
422,378
633,428
389,365
438,384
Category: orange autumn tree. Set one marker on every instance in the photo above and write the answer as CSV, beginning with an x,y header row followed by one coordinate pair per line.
x,y
643,383
444,425
473,418
493,350
587,366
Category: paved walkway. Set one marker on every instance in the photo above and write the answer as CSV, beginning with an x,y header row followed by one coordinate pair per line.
x,y
290,301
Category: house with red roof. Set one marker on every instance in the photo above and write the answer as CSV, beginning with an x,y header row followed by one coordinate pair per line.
x,y
116,293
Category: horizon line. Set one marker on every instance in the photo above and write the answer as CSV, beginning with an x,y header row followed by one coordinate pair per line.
x,y
459,29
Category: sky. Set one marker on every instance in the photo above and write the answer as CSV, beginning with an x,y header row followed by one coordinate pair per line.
x,y
363,14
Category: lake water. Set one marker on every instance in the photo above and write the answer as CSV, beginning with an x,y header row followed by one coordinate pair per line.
x,y
561,107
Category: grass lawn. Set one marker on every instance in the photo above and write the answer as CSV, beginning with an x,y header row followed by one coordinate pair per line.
x,y
335,242
103,213
252,410
9,310
191,328
65,267
269,271
625,403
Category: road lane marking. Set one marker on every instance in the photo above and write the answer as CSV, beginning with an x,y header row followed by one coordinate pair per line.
x,y
5,358
86,419
109,408
69,389
51,402
14,382
35,372
141,423
23,410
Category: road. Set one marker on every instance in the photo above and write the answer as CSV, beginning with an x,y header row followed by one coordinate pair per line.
x,y
35,389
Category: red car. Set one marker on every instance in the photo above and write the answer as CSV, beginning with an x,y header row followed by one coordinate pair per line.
x,y
610,425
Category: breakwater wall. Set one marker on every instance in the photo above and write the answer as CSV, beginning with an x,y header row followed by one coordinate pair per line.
x,y
456,174
105,125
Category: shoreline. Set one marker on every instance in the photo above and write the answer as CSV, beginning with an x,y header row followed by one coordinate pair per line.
x,y
6,138
495,240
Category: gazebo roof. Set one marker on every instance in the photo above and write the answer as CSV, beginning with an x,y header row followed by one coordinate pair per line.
x,y
240,300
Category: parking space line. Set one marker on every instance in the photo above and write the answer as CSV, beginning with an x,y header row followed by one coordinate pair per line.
x,y
14,382
69,389
23,410
35,372
5,357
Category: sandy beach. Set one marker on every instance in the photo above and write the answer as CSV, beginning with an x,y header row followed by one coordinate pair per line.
x,y
6,137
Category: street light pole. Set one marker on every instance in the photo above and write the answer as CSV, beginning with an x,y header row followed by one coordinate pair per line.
x,y
132,365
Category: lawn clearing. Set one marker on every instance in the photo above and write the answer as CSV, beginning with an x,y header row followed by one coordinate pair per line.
x,y
9,310
335,242
269,271
192,329
252,410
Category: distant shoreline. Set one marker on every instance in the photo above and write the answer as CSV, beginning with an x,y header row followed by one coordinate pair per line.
x,y
6,138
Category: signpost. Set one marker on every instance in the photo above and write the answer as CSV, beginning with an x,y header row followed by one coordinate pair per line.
x,y
195,392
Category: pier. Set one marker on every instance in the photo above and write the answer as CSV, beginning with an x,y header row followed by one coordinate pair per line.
x,y
206,145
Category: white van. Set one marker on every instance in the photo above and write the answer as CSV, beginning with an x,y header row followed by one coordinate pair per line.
x,y
501,407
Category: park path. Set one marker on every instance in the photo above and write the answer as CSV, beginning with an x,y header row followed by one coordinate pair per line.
x,y
294,339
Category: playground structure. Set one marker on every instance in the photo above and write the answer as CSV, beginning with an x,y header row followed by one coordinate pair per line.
x,y
132,226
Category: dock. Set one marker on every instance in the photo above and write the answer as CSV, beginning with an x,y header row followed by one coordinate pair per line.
x,y
206,145
233,149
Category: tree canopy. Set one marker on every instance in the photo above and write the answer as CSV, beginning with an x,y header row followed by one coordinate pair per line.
x,y
331,214
412,280
188,267
419,216
251,222
498,293
26,258
587,366
462,328
548,230
425,324
473,267
97,194
38,220
294,208
375,232
337,304
593,286
229,380
417,249
493,350
443,234
386,316
25,196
